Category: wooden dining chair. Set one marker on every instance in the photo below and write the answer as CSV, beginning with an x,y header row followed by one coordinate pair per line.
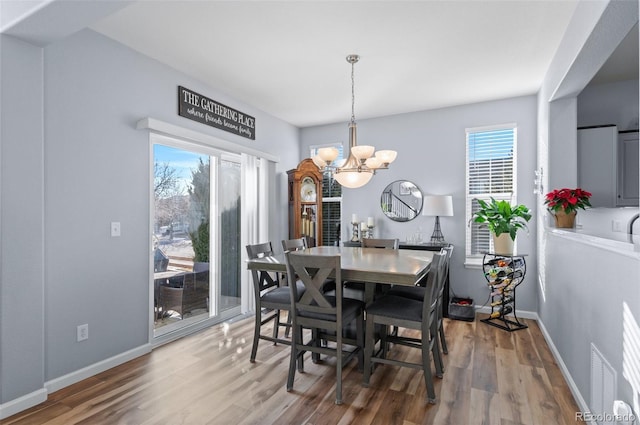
x,y
355,289
326,315
441,287
417,293
268,294
380,243
392,310
301,244
294,244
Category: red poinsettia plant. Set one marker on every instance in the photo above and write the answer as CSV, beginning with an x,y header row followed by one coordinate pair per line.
x,y
567,200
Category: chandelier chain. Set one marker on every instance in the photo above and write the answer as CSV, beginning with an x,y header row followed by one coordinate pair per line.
x,y
363,161
353,94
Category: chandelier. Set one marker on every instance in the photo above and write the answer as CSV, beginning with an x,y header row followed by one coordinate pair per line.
x,y
363,160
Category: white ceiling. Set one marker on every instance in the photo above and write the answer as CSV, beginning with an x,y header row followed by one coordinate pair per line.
x,y
288,58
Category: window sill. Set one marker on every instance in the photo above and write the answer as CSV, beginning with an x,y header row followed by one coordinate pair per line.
x,y
473,263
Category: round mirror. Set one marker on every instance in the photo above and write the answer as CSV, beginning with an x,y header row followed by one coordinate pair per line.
x,y
401,201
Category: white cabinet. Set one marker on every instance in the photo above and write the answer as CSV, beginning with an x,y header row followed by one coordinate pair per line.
x,y
597,164
608,166
628,162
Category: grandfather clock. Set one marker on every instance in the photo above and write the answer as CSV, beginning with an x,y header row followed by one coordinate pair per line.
x,y
305,202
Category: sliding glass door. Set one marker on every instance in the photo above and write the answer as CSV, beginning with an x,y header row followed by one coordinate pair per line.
x,y
196,234
230,255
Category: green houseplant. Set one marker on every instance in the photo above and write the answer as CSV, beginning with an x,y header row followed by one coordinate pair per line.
x,y
503,221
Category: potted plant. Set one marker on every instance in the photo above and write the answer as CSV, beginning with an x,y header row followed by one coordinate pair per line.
x,y
564,204
503,221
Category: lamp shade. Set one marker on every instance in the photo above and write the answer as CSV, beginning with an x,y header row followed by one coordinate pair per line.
x,y
353,179
438,205
362,151
386,156
328,154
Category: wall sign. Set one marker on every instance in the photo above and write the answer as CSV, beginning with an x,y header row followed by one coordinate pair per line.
x,y
207,111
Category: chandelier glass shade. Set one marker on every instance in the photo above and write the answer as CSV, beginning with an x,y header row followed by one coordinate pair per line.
x,y
363,160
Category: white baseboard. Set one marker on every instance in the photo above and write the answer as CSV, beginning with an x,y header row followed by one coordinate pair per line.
x,y
22,403
29,400
582,404
94,369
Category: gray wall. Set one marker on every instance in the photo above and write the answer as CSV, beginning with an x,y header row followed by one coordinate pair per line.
x,y
96,169
21,219
583,288
612,103
431,153
587,292
73,162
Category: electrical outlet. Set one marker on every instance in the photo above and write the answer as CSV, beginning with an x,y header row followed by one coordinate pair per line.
x,y
82,332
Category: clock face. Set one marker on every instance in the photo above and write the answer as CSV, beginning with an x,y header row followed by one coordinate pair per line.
x,y
308,190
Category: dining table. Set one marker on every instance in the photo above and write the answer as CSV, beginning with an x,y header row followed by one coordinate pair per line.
x,y
368,265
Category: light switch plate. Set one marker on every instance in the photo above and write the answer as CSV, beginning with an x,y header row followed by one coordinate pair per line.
x,y
115,229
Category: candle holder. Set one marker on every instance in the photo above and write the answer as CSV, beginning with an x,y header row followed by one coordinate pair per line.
x,y
370,231
363,231
354,237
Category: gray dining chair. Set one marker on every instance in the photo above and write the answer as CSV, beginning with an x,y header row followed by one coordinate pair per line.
x,y
417,293
355,289
380,243
269,295
326,315
301,244
392,310
294,244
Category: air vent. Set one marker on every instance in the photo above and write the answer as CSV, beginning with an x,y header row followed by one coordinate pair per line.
x,y
603,384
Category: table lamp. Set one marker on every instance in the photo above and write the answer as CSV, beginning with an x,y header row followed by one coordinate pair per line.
x,y
437,205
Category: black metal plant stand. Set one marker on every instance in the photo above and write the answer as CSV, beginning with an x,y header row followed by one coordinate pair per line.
x,y
504,273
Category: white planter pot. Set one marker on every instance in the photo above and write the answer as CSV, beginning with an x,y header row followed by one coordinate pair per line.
x,y
503,244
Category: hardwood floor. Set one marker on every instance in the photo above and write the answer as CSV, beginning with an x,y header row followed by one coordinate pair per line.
x,y
491,377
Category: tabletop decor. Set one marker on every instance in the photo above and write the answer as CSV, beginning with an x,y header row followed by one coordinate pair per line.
x,y
370,226
563,204
503,220
354,222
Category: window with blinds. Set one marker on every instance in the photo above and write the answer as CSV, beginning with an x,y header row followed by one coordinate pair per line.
x,y
491,173
331,201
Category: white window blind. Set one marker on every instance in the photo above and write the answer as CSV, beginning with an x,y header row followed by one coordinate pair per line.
x,y
491,173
